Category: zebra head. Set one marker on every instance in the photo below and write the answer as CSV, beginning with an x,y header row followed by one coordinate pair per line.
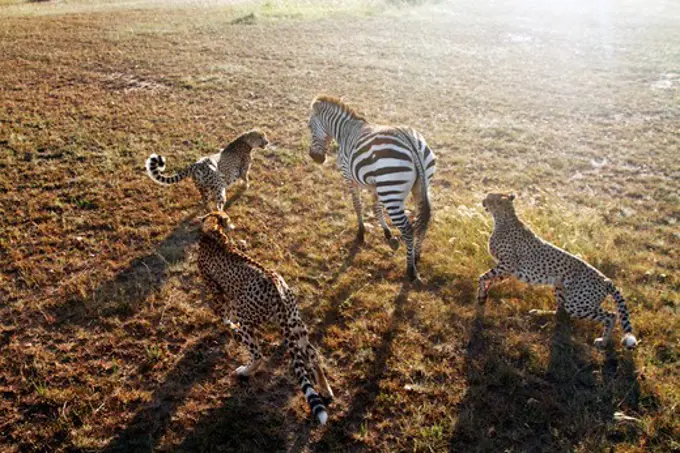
x,y
320,139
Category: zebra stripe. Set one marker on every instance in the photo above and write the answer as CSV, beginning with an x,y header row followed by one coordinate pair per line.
x,y
391,161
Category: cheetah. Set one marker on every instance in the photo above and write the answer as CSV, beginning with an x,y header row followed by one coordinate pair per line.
x,y
579,288
246,295
213,174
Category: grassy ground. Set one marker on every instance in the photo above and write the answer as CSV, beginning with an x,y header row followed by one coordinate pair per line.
x,y
103,342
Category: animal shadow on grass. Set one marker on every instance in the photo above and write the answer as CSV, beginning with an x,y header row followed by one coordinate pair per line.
x,y
151,421
252,419
510,406
341,429
346,262
234,197
122,295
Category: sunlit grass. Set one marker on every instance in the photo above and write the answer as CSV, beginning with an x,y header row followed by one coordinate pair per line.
x,y
103,332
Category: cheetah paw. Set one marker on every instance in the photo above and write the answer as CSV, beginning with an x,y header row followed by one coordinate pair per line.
x,y
600,343
242,372
536,312
231,324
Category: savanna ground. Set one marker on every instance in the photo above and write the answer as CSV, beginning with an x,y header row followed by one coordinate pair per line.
x,y
104,345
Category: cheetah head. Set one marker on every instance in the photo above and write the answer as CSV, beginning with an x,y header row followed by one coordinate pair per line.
x,y
255,139
217,220
496,202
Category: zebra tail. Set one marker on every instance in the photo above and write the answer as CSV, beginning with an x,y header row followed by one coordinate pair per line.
x,y
155,165
424,209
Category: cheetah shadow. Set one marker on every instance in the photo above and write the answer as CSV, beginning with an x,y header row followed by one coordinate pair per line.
x,y
252,419
511,405
123,295
342,428
236,195
150,423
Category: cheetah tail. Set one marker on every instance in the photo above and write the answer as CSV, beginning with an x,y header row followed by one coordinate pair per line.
x,y
314,400
629,339
302,353
304,358
155,164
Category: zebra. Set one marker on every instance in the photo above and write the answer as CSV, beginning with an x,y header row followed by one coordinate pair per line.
x,y
391,161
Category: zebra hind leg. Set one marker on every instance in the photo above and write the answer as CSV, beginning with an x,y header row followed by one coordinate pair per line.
x,y
399,219
356,202
389,237
422,221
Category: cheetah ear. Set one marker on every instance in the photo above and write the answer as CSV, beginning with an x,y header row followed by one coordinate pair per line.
x,y
511,197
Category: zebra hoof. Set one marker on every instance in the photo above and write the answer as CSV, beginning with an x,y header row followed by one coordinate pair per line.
x,y
394,243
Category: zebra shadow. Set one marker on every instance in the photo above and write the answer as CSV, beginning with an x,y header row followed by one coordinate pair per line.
x,y
126,291
354,247
511,405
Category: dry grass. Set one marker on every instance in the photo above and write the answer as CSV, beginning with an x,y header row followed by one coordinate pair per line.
x,y
103,344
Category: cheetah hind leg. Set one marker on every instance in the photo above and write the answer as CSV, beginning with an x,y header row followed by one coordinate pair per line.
x,y
220,198
602,316
485,281
319,375
608,320
243,334
205,197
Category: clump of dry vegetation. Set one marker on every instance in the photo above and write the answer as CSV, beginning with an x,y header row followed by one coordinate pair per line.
x,y
103,342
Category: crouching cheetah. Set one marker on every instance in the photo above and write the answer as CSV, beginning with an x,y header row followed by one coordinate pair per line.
x,y
247,295
579,287
213,174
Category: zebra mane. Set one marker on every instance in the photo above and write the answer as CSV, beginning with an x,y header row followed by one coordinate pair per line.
x,y
330,100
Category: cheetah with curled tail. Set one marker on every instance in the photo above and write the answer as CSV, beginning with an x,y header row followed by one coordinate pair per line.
x,y
579,287
247,295
213,174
